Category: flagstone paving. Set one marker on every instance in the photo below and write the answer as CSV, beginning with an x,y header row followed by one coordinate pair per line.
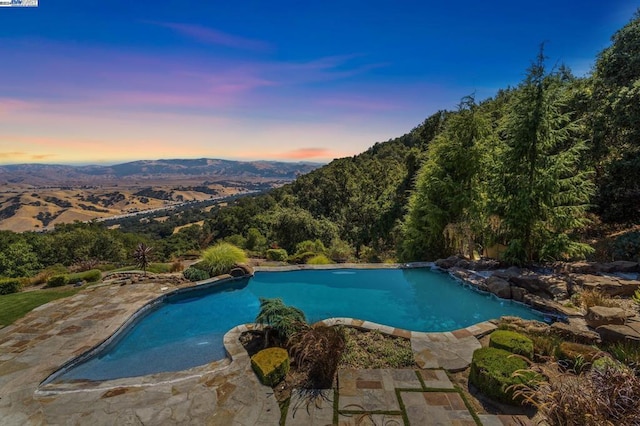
x,y
220,393
389,397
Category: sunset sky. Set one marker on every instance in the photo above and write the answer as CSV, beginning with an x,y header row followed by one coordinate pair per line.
x,y
93,82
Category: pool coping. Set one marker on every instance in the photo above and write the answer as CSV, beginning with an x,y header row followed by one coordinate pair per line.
x,y
234,349
236,352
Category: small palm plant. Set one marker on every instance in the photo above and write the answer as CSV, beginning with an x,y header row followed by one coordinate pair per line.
x,y
284,320
142,255
636,297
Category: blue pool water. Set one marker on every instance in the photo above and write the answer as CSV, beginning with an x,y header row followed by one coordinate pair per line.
x,y
187,329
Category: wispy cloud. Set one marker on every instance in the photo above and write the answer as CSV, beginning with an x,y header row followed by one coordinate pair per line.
x,y
307,153
212,36
19,156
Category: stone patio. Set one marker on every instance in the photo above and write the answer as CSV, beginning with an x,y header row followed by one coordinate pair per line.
x,y
220,393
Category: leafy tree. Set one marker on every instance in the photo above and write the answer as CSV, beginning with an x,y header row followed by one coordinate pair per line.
x,y
18,260
142,255
255,240
544,193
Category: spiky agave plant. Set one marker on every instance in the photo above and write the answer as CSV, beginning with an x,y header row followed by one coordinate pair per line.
x,y
142,255
283,319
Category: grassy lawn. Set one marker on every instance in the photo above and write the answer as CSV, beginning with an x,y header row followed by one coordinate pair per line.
x,y
16,305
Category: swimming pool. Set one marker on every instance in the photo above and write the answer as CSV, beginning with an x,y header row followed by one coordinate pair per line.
x,y
186,329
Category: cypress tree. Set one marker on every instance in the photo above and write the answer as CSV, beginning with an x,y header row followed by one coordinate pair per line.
x,y
544,193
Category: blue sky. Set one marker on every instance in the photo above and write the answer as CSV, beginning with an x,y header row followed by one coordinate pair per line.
x,y
111,81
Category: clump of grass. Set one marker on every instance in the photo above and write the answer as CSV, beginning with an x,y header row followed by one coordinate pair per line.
x,y
176,266
318,350
221,258
601,396
372,349
627,352
319,259
589,298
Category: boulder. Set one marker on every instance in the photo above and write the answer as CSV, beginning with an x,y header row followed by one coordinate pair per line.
x,y
447,263
529,281
617,333
484,265
499,287
508,273
580,335
554,286
525,326
518,294
601,315
248,270
624,266
611,286
580,267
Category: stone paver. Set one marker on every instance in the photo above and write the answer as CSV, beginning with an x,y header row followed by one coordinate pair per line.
x,y
310,408
369,419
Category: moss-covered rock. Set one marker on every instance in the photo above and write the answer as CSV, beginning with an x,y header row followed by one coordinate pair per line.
x,y
270,365
492,372
511,341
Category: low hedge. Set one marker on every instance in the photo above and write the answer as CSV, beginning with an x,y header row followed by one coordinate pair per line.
x,y
279,255
492,372
195,274
58,280
513,342
90,276
271,365
10,285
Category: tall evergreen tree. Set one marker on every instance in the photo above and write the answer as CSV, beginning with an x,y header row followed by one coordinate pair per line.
x,y
446,209
544,193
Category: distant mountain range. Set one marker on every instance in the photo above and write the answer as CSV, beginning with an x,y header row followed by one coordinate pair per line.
x,y
40,174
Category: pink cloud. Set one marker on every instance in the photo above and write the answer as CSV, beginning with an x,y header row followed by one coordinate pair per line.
x,y
307,153
9,105
211,36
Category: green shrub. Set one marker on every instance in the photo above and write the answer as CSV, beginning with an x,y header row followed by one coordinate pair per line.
x,y
340,251
91,276
279,255
627,247
301,258
310,246
10,285
319,259
492,372
285,320
221,258
511,341
58,280
195,274
271,365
